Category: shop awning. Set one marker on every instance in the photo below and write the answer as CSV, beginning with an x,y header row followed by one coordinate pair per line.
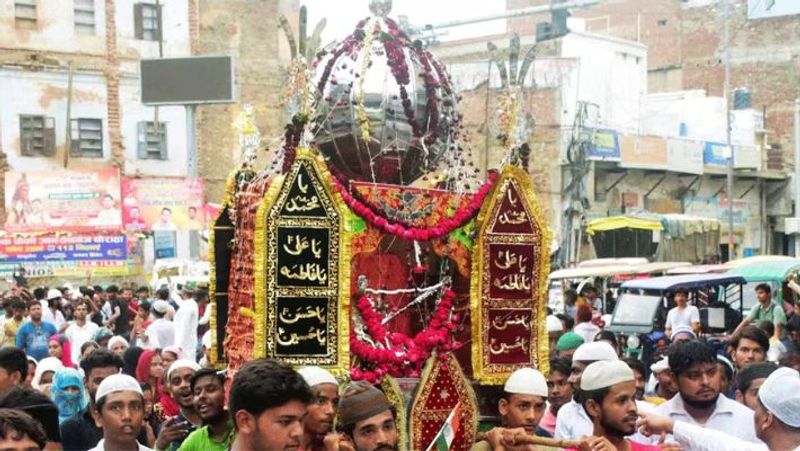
x,y
622,222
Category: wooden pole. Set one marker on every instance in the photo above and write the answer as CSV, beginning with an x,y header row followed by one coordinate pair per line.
x,y
525,439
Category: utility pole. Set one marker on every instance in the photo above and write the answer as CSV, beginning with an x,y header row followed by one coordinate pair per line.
x,y
726,89
797,172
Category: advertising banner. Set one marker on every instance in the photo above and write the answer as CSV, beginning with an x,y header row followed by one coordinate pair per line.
x,y
163,204
63,201
604,145
45,256
648,152
747,157
717,208
715,154
684,155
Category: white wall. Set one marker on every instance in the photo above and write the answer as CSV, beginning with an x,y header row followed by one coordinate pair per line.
x,y
45,93
612,74
55,29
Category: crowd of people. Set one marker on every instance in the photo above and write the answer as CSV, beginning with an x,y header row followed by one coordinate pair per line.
x,y
86,376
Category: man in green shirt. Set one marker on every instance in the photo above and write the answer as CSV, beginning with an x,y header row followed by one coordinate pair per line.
x,y
766,310
208,387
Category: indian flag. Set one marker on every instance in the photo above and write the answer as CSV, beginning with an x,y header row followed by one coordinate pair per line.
x,y
448,432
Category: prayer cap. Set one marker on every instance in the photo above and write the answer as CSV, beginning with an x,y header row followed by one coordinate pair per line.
x,y
682,330
553,324
569,341
780,394
182,363
660,366
315,375
160,306
526,381
53,294
594,351
605,373
361,401
117,383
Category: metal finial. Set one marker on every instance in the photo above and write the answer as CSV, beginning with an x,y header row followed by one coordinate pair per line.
x,y
380,8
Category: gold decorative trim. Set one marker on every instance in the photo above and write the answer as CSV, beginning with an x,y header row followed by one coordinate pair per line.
x,y
483,371
396,398
267,290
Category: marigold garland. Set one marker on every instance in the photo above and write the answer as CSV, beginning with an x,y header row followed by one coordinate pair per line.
x,y
447,225
401,356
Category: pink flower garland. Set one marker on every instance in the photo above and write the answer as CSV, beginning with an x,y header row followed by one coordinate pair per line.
x,y
404,356
444,228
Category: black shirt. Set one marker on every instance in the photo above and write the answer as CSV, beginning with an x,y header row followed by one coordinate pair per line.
x,y
122,326
80,433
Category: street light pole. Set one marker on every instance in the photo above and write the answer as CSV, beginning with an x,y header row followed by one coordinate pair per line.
x,y
726,89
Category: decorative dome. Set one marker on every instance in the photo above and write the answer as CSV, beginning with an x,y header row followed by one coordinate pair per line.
x,y
385,107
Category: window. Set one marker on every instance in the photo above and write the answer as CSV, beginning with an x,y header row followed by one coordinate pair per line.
x,y
25,13
87,138
152,145
37,135
84,16
147,21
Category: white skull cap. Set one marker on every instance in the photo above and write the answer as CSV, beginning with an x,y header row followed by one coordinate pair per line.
x,y
314,375
526,381
117,383
553,324
594,351
780,394
605,373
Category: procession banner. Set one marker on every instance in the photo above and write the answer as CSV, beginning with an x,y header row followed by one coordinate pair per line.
x,y
163,204
684,155
302,283
509,281
604,145
63,201
647,152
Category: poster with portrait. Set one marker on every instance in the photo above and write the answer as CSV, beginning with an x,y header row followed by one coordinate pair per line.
x,y
63,201
163,204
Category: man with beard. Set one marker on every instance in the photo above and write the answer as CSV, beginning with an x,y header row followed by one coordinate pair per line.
x,y
33,336
572,422
208,387
318,422
776,420
80,432
608,394
749,346
367,419
119,410
521,406
750,380
697,376
179,384
267,402
559,394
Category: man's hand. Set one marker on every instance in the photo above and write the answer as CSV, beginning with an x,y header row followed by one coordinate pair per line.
x,y
337,442
596,444
649,424
171,430
502,439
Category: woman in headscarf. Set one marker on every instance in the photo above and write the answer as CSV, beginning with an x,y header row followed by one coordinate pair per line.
x,y
118,345
149,370
60,348
130,359
67,393
45,371
32,363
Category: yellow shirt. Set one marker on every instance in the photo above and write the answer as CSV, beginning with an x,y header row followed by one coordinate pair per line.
x,y
9,333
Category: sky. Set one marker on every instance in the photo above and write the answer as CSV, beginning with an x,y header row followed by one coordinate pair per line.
x,y
342,16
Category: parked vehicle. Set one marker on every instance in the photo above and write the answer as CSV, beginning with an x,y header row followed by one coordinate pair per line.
x,y
643,304
777,273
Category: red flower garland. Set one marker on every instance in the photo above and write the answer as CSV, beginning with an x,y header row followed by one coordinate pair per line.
x,y
444,228
404,356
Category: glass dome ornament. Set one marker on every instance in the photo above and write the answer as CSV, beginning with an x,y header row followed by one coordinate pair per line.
x,y
385,108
